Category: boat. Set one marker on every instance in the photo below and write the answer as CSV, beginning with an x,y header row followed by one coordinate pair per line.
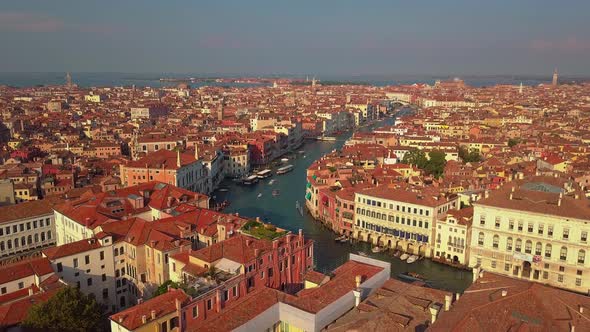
x,y
276,192
298,207
376,249
271,182
326,138
259,195
285,169
264,174
338,239
223,189
252,179
403,257
412,259
397,253
344,239
411,276
362,253
301,151
285,160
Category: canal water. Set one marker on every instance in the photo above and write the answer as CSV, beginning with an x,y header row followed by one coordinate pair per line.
x,y
281,211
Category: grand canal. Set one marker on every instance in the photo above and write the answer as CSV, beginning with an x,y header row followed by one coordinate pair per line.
x,y
281,211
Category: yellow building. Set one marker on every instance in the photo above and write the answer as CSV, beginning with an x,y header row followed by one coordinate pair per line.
x,y
453,234
402,219
535,229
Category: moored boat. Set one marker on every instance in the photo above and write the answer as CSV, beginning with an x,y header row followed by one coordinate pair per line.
x,y
362,253
376,249
403,257
276,192
252,179
412,259
264,174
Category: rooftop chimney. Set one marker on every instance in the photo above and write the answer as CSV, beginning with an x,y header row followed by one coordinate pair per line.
x,y
153,314
504,293
434,310
139,301
143,319
448,301
30,291
358,279
457,296
581,309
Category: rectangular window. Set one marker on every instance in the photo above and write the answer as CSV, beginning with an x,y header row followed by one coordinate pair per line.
x,y
520,225
550,231
196,311
560,277
541,226
209,304
75,262
102,255
235,291
87,259
164,327
578,282
89,281
566,233
482,220
497,224
530,228
21,285
104,277
506,267
511,224
545,275
59,267
584,236
3,290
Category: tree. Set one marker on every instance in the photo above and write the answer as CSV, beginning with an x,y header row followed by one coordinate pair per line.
x,y
513,141
416,157
436,163
469,156
68,310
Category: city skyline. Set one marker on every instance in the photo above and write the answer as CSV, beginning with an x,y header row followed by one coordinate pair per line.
x,y
265,38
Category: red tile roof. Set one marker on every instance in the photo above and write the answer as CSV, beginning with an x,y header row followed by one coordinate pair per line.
x,y
37,266
71,248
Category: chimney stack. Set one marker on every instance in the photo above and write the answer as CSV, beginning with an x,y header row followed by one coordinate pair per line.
x,y
457,296
120,319
143,319
434,310
358,279
153,314
504,293
448,301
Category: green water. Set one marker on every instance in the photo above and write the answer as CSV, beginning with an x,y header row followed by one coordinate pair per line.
x,y
280,210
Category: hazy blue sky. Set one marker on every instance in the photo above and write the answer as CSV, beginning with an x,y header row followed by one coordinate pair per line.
x,y
298,37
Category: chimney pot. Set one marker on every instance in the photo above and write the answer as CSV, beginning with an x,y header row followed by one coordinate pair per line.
x,y
504,293
153,314
358,279
30,291
143,319
120,319
581,308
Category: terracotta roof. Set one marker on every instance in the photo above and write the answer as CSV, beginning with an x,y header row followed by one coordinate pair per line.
x,y
71,248
37,266
163,305
526,306
27,210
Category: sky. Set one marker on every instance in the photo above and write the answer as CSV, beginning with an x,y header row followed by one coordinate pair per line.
x,y
321,37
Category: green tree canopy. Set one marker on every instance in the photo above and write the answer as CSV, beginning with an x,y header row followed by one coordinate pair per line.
x,y
68,310
513,141
436,163
416,157
469,156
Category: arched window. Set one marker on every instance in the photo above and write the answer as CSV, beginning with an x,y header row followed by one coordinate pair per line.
x,y
496,241
518,246
449,242
2,245
9,244
122,302
29,239
581,256
116,251
42,236
538,248
16,243
480,238
563,253
547,251
528,247
509,244
462,243
122,251
23,241
373,214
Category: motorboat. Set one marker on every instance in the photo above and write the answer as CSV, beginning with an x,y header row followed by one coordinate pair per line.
x,y
223,190
276,192
412,259
403,257
338,239
285,160
376,249
397,253
344,239
252,179
259,195
362,253
271,182
285,169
